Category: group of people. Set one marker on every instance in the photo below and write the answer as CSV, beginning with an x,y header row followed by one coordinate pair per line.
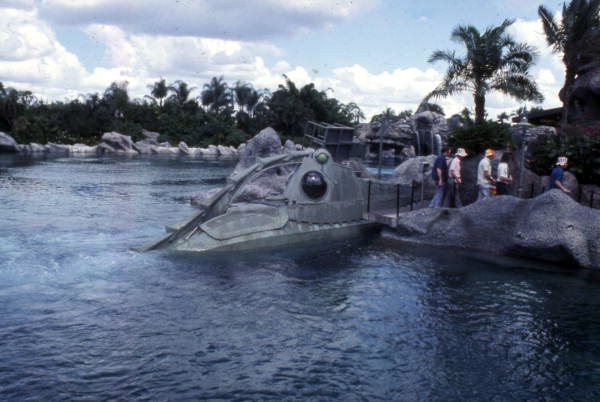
x,y
446,174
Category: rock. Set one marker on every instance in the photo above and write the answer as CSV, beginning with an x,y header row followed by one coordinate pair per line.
x,y
289,145
144,147
211,151
269,184
414,170
7,143
82,149
165,150
53,148
104,149
551,227
425,132
265,143
33,148
150,137
432,129
226,151
119,143
184,149
199,199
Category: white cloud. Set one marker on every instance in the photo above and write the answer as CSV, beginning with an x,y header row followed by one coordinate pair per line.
x,y
233,19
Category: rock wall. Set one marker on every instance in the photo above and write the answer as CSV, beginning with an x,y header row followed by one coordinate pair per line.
x,y
551,227
420,134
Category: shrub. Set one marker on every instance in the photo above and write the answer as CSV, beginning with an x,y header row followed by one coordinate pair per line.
x,y
581,144
478,137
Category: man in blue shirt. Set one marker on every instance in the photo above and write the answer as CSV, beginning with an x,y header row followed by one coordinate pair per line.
x,y
439,175
557,175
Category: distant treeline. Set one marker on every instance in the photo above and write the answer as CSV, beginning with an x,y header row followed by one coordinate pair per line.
x,y
221,114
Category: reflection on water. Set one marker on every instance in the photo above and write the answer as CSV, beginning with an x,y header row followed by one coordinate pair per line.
x,y
83,317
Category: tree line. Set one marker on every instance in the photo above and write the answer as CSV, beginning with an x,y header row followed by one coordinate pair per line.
x,y
221,114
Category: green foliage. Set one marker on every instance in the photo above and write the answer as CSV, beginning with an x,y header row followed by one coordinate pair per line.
x,y
581,144
493,61
170,111
476,138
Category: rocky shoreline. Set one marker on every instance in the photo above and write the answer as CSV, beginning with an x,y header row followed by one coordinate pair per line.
x,y
116,143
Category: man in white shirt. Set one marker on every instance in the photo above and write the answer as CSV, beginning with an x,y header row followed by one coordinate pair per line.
x,y
485,181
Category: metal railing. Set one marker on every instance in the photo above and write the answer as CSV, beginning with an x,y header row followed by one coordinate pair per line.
x,y
389,197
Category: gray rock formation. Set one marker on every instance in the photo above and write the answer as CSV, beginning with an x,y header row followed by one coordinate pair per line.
x,y
265,143
117,143
53,148
424,132
7,143
416,169
551,227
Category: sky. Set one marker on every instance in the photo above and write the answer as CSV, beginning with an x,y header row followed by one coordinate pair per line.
x,y
371,52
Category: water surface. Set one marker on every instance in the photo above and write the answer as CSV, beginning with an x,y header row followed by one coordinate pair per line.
x,y
82,317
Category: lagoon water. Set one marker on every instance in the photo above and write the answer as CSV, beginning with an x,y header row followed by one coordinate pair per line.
x,y
82,317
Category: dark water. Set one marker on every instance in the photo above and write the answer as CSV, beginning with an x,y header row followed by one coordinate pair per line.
x,y
84,318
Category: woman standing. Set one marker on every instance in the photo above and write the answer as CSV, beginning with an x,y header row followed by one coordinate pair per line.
x,y
504,177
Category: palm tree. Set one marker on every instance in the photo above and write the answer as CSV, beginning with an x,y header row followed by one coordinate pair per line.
x,y
216,96
181,92
494,61
579,25
159,90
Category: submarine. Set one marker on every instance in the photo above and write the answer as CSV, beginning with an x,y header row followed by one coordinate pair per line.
x,y
323,201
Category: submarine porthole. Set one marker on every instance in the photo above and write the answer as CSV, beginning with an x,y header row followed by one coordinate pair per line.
x,y
314,184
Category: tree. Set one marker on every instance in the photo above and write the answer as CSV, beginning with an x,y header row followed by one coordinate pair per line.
x,y
159,90
573,36
502,117
494,61
117,98
181,92
216,96
388,113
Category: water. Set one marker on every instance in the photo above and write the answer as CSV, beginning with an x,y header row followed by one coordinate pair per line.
x,y
84,318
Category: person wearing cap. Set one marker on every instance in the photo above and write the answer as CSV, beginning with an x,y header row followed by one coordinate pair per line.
x,y
439,175
557,175
452,199
485,181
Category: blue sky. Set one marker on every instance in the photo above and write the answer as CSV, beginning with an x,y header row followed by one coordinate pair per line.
x,y
372,52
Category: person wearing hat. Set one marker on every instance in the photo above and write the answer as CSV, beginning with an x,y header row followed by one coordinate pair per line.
x,y
557,175
452,199
485,181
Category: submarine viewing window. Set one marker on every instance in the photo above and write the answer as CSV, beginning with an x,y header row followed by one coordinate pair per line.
x,y
314,184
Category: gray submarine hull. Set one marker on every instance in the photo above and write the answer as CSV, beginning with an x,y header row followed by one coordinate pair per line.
x,y
323,201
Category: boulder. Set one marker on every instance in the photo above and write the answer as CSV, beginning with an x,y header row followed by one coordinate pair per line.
x,y
144,147
119,143
265,143
33,148
226,151
414,169
150,137
82,149
7,143
184,149
551,227
53,148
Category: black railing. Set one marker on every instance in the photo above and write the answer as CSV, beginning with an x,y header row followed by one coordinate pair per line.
x,y
389,197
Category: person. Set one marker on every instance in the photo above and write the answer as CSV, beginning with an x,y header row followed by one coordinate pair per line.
x,y
439,174
452,199
558,173
504,177
485,181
